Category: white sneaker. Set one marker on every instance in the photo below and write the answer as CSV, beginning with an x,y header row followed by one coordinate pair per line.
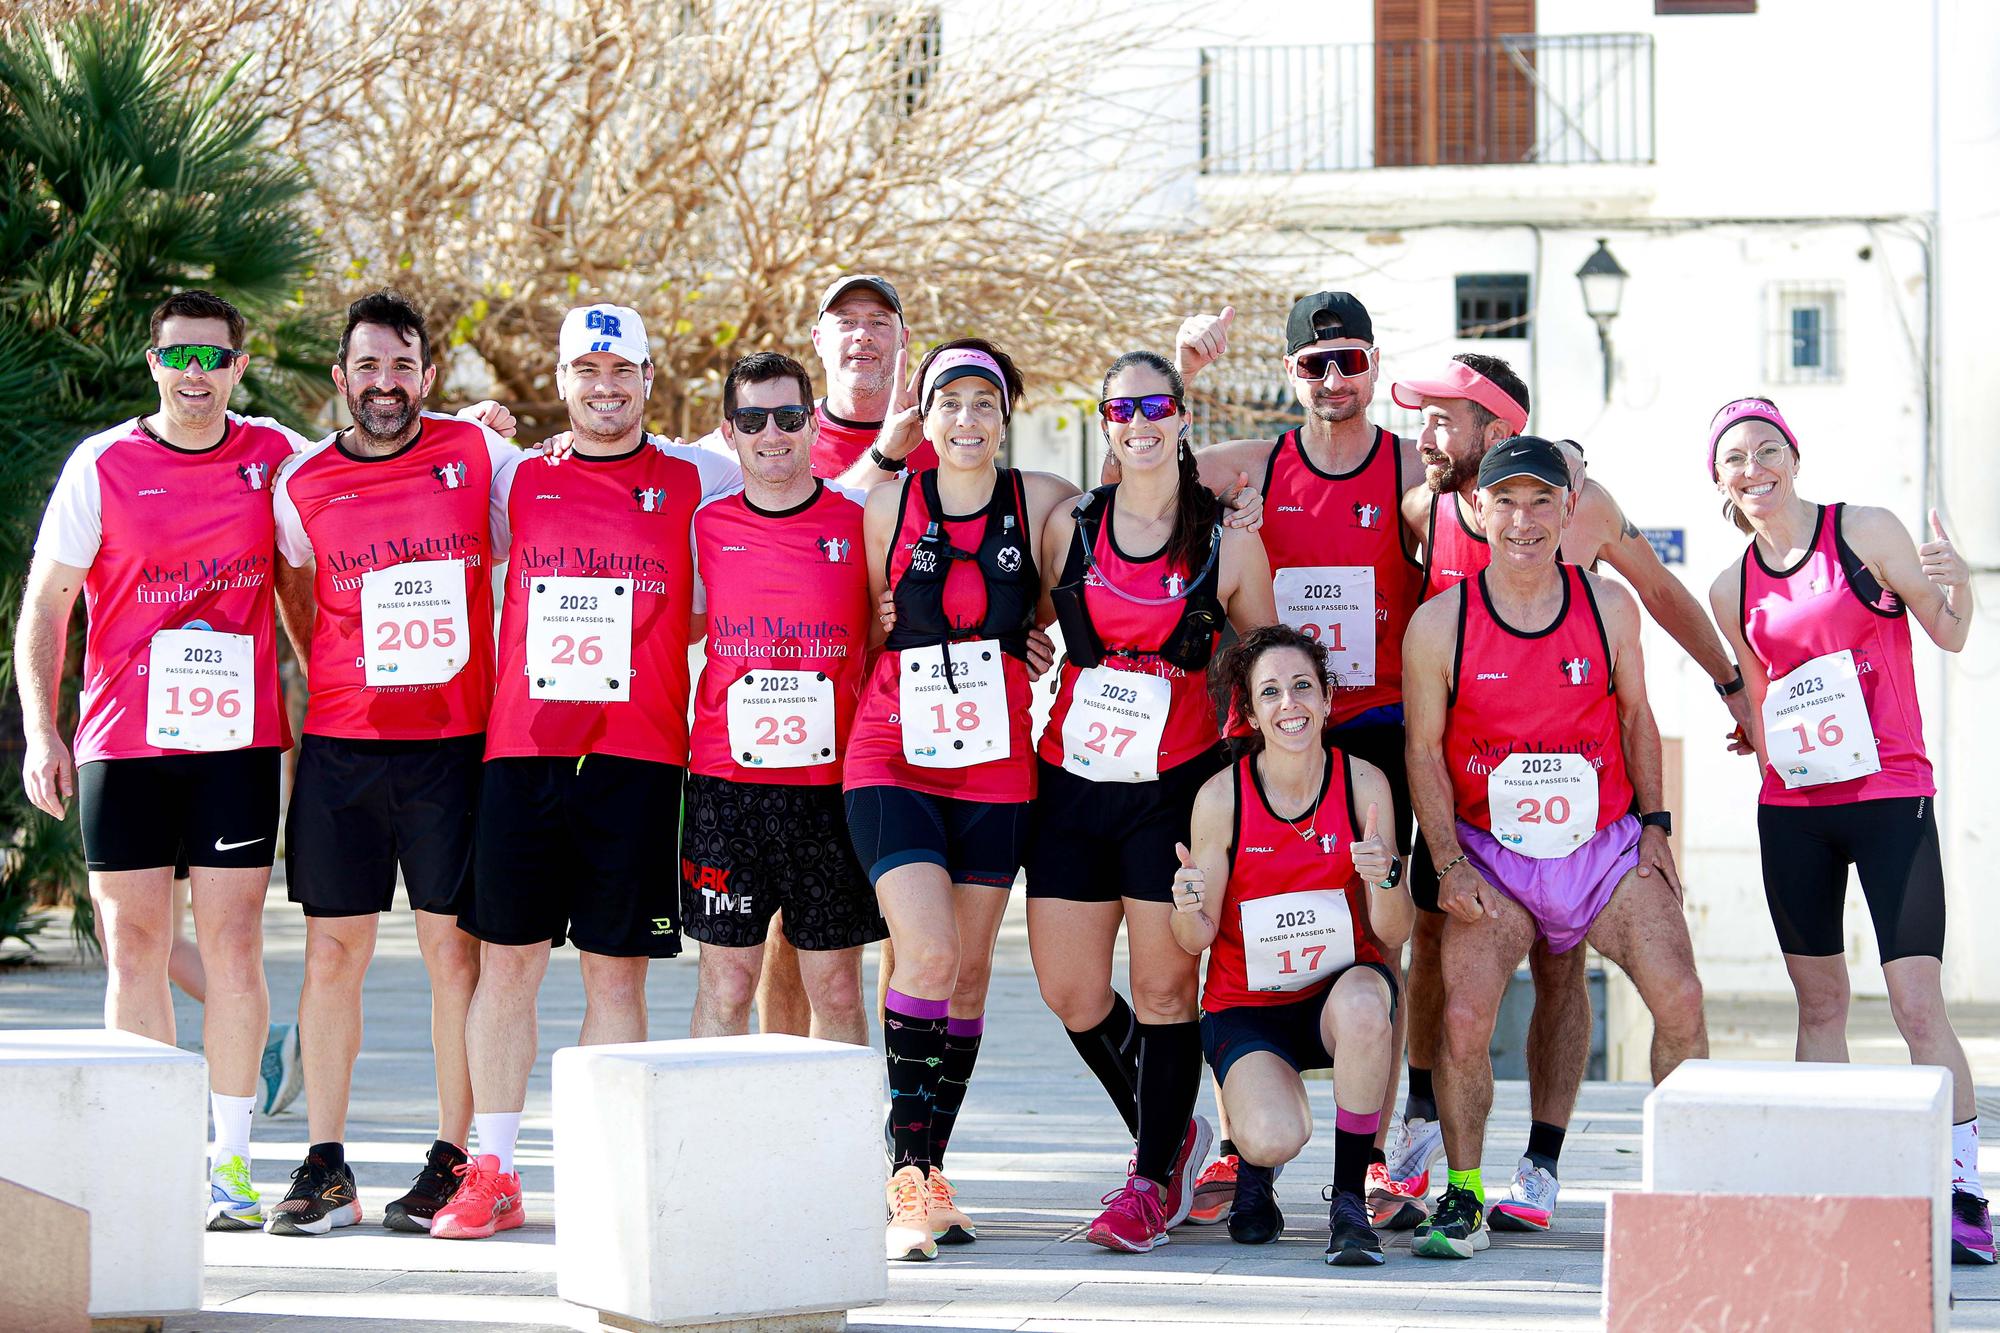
x,y
1530,1204
1422,1143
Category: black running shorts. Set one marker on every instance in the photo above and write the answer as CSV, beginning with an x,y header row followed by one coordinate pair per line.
x,y
976,842
1289,1031
361,808
218,808
750,848
1097,842
1893,843
581,849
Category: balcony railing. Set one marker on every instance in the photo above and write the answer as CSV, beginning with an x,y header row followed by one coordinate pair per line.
x,y
1563,100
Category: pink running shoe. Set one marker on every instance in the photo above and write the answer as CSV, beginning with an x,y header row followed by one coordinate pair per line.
x,y
487,1201
1135,1222
1181,1180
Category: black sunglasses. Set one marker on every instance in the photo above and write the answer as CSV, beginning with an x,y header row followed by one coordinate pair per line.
x,y
750,420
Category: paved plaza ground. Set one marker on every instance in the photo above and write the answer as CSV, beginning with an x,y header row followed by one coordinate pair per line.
x,y
1035,1148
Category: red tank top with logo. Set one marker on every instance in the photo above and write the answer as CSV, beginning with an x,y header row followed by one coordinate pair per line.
x,y
1271,857
1541,692
875,749
1827,602
1318,519
1453,552
840,442
1132,634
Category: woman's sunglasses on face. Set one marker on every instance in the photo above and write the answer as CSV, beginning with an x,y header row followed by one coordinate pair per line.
x,y
1152,406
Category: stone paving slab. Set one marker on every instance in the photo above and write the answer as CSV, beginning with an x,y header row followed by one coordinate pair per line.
x,y
1035,1149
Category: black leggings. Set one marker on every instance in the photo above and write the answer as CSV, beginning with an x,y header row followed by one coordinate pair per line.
x,y
1893,843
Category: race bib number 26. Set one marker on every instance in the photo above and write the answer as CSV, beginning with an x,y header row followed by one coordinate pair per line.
x,y
579,638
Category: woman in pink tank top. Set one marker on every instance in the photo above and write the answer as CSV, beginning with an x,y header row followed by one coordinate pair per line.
x,y
1818,609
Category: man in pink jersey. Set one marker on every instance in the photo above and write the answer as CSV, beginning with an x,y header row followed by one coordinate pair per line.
x,y
389,541
1534,763
587,744
163,523
1474,404
783,567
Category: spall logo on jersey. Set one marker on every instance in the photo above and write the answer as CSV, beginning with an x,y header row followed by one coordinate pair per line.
x,y
253,475
450,476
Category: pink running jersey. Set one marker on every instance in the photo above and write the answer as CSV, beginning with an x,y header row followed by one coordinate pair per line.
x,y
348,514
786,591
621,517
171,539
1791,616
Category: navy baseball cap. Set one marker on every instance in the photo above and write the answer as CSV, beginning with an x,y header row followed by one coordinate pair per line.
x,y
1524,456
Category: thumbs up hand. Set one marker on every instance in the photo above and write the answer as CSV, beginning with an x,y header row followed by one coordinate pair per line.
x,y
1943,565
1372,856
1189,883
1245,503
1201,339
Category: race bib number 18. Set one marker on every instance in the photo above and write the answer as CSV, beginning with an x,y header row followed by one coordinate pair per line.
x,y
413,623
954,708
1336,605
579,638
1816,727
201,690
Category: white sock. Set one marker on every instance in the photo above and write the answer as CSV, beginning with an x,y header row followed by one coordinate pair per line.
x,y
232,1124
1965,1157
495,1132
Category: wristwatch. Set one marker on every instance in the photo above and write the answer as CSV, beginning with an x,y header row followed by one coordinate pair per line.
x,y
1733,687
1663,820
1395,874
882,460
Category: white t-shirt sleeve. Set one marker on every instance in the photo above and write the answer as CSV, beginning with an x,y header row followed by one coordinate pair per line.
x,y
73,524
505,459
298,442
293,543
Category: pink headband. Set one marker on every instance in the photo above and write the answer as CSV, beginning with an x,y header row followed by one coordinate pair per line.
x,y
1733,414
1462,381
964,361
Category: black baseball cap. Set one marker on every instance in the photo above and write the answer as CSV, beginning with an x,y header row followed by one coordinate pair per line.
x,y
1326,315
1524,456
873,282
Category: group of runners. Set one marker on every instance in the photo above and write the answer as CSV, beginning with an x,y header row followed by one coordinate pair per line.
x,y
1431,727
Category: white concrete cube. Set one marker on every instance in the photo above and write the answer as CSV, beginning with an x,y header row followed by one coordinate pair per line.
x,y
680,1163
1761,1127
118,1125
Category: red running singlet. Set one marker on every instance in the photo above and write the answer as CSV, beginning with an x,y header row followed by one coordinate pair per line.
x,y
1452,550
1316,520
1542,693
840,443
787,593
1827,602
1296,914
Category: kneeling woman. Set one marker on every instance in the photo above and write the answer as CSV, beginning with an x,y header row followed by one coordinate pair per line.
x,y
1141,574
1301,903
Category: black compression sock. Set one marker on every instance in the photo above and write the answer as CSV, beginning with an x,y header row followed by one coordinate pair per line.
x,y
1169,1086
1545,1145
1111,1049
1421,1103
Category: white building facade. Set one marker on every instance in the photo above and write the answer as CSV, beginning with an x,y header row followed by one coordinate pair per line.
x,y
1803,193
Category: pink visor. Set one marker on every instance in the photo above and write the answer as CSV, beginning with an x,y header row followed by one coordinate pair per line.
x,y
1462,381
963,361
1744,409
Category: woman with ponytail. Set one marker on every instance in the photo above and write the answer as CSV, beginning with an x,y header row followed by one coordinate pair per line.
x,y
1141,573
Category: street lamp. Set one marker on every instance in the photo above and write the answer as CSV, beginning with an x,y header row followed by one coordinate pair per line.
x,y
1603,289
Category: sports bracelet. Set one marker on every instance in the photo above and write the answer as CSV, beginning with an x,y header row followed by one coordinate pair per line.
x,y
1733,687
1450,865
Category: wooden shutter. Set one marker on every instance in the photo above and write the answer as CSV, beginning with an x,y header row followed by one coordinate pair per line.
x,y
1446,91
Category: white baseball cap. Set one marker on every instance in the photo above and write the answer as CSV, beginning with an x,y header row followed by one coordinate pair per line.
x,y
603,328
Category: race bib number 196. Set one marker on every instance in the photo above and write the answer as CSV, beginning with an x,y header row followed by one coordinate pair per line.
x,y
200,690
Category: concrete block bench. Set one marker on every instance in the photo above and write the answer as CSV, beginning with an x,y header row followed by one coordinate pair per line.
x,y
1840,1150
116,1125
723,1181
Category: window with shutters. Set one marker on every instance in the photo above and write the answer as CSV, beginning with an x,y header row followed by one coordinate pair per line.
x,y
1449,88
1492,305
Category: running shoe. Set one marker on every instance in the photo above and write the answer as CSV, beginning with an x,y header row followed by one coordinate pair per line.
x,y
1187,1166
1254,1218
1353,1243
1213,1192
433,1189
1414,1147
281,1073
1530,1204
1392,1205
1136,1220
486,1200
322,1198
1971,1229
233,1202
909,1235
949,1224
1457,1229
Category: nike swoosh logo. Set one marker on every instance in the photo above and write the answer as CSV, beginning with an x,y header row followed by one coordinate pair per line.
x,y
222,846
